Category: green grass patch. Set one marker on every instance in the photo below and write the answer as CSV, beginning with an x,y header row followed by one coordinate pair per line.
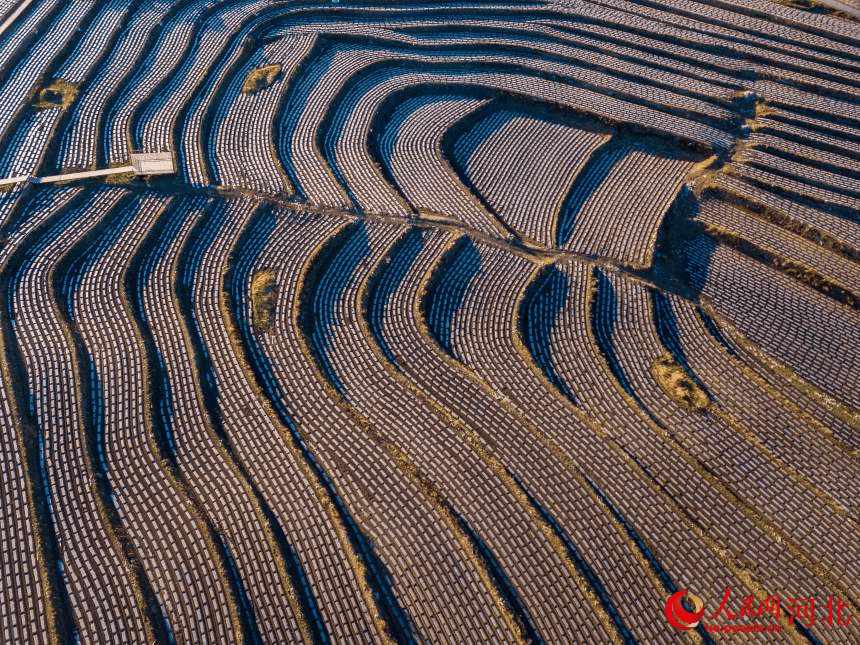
x,y
675,382
261,78
57,93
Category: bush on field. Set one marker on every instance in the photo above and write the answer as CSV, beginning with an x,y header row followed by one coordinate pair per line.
x,y
261,78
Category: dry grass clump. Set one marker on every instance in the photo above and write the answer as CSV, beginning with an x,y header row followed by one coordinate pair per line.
x,y
808,5
57,93
261,78
264,292
678,385
119,178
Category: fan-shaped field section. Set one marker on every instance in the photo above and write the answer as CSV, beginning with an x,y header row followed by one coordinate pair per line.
x,y
466,322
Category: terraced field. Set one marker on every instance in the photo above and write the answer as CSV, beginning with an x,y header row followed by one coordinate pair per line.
x,y
467,322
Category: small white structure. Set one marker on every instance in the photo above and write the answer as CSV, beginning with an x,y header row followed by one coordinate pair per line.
x,y
152,163
142,163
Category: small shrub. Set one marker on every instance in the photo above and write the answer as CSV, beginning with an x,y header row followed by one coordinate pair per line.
x,y
261,78
58,93
675,381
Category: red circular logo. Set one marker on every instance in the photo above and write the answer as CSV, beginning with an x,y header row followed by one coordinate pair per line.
x,y
679,617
